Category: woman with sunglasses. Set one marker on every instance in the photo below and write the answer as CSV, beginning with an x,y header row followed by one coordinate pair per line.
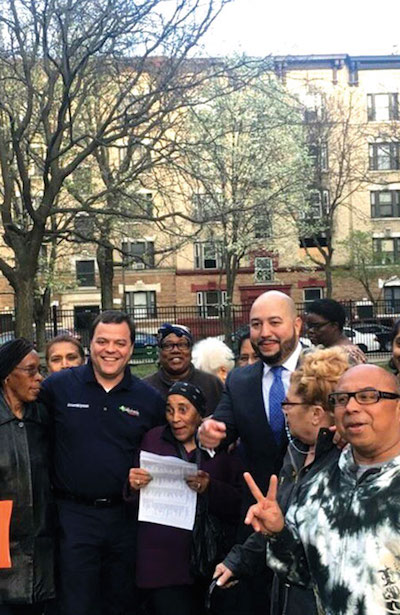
x,y
308,418
27,585
324,320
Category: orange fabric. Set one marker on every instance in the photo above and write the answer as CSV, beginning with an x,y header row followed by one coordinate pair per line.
x,y
5,518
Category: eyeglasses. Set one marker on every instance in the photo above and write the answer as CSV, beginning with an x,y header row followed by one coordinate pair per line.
x,y
32,371
292,403
368,396
316,326
182,345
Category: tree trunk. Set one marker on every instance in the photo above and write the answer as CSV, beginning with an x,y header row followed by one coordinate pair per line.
x,y
41,313
329,281
231,270
104,257
24,300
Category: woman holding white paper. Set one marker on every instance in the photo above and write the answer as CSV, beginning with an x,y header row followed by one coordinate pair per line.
x,y
163,553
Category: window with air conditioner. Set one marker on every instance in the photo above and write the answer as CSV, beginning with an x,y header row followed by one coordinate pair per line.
x,y
138,254
207,255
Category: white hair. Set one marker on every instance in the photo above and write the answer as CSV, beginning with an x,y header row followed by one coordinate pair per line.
x,y
211,354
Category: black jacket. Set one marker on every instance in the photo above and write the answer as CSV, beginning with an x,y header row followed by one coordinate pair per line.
x,y
242,410
250,558
24,479
210,385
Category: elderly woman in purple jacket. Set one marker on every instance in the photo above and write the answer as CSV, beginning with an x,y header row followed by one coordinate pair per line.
x,y
163,552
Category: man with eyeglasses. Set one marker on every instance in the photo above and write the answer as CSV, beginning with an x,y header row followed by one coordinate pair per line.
x,y
341,535
175,344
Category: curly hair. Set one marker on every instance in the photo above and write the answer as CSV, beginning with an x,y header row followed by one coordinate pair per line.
x,y
319,373
210,354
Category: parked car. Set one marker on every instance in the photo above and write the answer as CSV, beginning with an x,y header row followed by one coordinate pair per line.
x,y
381,332
367,342
145,348
144,339
10,335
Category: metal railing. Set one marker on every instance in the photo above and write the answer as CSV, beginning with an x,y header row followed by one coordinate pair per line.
x,y
368,324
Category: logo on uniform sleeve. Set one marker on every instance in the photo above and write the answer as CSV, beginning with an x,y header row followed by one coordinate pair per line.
x,y
129,411
70,405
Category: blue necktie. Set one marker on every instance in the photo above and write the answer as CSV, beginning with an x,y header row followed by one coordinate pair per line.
x,y
276,397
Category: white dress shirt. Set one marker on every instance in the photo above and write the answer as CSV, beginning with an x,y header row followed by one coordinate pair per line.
x,y
289,366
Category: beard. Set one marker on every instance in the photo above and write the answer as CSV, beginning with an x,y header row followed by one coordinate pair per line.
x,y
285,350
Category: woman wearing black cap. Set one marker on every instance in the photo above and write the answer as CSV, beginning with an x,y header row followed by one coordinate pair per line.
x,y
27,585
163,554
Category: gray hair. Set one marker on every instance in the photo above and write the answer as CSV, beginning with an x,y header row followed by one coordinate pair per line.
x,y
210,354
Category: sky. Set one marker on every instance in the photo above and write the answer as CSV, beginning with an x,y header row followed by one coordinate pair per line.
x,y
281,27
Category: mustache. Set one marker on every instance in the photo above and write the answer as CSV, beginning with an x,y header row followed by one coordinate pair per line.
x,y
268,339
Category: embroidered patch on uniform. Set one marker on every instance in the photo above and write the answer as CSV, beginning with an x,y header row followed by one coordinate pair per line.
x,y
129,411
70,405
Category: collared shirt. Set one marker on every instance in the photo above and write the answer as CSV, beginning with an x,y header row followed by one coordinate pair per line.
x,y
97,433
289,366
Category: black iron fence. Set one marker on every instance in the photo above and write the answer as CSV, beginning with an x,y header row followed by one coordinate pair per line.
x,y
368,325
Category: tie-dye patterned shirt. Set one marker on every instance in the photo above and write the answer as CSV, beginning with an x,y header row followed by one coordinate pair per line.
x,y
343,535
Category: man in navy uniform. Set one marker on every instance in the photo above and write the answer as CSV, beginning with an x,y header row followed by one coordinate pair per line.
x,y
101,412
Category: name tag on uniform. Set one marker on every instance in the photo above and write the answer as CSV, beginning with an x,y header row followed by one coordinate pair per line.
x,y
70,405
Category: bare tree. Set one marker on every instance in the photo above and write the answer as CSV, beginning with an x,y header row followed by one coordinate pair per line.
x,y
242,159
335,135
57,57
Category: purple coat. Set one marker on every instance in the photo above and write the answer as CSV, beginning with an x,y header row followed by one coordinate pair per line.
x,y
163,552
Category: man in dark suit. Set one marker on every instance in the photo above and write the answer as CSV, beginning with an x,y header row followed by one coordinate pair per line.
x,y
250,408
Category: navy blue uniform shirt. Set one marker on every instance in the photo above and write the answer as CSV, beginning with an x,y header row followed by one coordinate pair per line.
x,y
97,433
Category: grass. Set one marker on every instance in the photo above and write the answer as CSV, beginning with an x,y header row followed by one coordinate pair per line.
x,y
144,369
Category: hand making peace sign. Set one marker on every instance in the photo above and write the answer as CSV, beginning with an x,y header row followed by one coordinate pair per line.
x,y
265,516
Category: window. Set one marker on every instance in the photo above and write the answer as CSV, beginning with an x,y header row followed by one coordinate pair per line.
x,y
85,273
318,154
382,107
138,254
317,205
147,203
210,303
262,225
384,156
386,251
207,255
391,295
263,269
205,206
141,304
312,294
385,204
84,227
313,106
